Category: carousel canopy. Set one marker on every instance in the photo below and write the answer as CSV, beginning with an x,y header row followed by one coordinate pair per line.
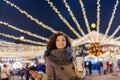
x,y
94,37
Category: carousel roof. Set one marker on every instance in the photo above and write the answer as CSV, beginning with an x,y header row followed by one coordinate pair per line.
x,y
94,37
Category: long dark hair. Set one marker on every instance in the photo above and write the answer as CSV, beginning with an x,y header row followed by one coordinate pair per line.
x,y
52,43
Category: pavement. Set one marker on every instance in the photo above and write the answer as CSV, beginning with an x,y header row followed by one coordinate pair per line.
x,y
95,76
115,75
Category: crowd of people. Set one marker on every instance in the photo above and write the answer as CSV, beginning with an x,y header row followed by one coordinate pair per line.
x,y
101,66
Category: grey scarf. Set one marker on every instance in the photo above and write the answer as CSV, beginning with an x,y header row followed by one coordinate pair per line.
x,y
61,56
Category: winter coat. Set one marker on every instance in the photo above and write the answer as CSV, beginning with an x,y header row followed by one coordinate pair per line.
x,y
59,65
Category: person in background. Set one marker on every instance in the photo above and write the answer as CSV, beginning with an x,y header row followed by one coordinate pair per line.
x,y
27,73
5,74
59,58
38,65
99,65
104,66
90,67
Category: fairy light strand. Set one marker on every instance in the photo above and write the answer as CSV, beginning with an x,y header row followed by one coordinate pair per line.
x,y
113,34
118,38
31,17
98,17
63,19
12,45
24,40
86,20
23,31
84,15
73,17
111,19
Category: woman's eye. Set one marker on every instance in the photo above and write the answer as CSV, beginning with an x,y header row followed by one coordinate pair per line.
x,y
63,40
57,40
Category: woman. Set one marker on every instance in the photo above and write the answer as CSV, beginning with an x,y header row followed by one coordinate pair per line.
x,y
59,58
5,74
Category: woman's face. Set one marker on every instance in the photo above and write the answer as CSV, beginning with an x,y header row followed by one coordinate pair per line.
x,y
60,42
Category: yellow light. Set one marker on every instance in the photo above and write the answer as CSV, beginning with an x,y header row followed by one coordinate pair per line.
x,y
93,25
22,37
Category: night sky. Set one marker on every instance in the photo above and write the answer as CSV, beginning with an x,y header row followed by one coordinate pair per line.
x,y
41,10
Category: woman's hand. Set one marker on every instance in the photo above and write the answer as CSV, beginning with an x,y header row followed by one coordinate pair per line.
x,y
36,75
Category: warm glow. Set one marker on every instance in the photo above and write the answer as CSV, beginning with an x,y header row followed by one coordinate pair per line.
x,y
93,25
22,37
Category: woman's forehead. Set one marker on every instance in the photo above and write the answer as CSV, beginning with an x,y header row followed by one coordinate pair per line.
x,y
60,36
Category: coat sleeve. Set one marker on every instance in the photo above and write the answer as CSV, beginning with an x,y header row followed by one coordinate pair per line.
x,y
50,71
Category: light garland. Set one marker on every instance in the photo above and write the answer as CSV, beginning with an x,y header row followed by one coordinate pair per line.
x,y
63,19
84,15
18,50
73,17
85,18
23,31
30,17
98,17
21,49
113,34
118,38
111,19
12,44
24,40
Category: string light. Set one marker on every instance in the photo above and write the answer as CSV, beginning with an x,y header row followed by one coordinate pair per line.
x,y
85,18
23,31
111,19
118,38
63,19
113,34
30,17
84,15
12,44
98,17
18,50
73,17
95,49
24,40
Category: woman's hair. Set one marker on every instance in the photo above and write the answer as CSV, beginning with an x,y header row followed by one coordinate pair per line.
x,y
4,65
52,43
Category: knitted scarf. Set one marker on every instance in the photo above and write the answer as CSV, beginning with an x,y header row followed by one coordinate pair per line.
x,y
61,56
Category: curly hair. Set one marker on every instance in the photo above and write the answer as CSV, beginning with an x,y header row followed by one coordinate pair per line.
x,y
52,42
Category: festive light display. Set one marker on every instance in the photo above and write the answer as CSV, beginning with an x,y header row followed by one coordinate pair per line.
x,y
114,33
85,16
111,19
23,31
24,40
98,17
73,17
118,38
30,17
95,49
63,19
95,44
